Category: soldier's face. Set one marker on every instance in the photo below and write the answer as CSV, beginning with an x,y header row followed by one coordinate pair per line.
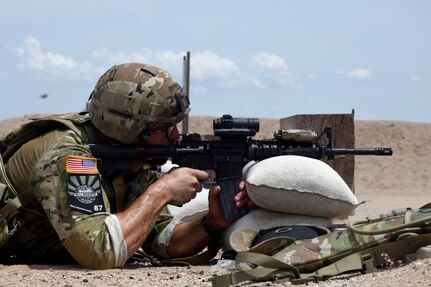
x,y
164,137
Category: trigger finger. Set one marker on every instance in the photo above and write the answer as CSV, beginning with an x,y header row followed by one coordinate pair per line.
x,y
198,186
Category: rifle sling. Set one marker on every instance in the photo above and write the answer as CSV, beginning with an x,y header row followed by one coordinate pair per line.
x,y
120,191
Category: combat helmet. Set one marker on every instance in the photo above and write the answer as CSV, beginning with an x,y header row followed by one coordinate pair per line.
x,y
131,98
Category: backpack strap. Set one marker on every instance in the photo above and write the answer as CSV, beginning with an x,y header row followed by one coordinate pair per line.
x,y
411,220
268,268
10,207
119,190
367,260
265,268
12,201
9,202
5,184
201,258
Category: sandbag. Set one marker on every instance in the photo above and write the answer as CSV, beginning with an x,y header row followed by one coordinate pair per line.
x,y
259,219
197,207
298,185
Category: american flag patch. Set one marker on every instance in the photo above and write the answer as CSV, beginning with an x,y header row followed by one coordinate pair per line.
x,y
82,165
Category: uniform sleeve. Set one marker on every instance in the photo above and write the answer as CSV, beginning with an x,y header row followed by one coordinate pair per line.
x,y
69,188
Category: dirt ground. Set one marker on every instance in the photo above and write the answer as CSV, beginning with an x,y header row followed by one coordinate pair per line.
x,y
384,183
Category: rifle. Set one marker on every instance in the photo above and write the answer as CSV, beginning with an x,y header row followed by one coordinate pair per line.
x,y
230,150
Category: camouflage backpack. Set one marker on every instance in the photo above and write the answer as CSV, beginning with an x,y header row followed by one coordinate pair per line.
x,y
362,246
10,201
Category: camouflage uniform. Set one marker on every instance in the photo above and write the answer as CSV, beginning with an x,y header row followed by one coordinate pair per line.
x,y
66,204
70,212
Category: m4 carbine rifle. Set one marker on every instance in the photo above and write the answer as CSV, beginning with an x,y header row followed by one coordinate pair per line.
x,y
230,150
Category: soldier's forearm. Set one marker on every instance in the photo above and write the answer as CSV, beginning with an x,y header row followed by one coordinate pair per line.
x,y
188,239
138,220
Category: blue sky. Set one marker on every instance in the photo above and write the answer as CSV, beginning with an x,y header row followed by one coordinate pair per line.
x,y
249,58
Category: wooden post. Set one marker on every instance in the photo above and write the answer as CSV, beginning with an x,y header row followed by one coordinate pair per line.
x,y
186,87
343,135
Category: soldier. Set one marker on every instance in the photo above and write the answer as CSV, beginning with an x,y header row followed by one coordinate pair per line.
x,y
71,211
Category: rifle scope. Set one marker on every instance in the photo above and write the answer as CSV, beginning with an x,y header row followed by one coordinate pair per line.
x,y
229,126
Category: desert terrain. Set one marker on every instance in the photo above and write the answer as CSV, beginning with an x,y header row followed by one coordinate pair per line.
x,y
384,183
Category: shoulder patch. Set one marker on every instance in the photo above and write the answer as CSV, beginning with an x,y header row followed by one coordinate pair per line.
x,y
84,193
81,165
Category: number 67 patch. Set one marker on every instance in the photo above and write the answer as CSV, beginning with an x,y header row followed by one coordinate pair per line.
x,y
84,193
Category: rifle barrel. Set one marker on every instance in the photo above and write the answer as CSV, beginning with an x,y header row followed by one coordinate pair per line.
x,y
380,151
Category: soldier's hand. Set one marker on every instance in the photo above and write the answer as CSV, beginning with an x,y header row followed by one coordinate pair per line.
x,y
183,184
242,199
215,213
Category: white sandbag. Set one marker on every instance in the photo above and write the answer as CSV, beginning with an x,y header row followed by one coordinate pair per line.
x,y
299,185
259,219
167,166
192,209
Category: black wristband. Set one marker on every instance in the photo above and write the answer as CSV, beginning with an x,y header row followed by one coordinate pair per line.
x,y
214,233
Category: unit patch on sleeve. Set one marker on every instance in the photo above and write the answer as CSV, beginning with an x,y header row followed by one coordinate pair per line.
x,y
84,193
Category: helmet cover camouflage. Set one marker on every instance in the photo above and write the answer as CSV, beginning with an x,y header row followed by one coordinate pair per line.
x,y
131,98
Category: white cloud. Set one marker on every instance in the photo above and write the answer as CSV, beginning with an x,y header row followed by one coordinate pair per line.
x,y
167,60
272,70
269,61
207,64
20,51
49,65
223,72
204,66
37,60
360,74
